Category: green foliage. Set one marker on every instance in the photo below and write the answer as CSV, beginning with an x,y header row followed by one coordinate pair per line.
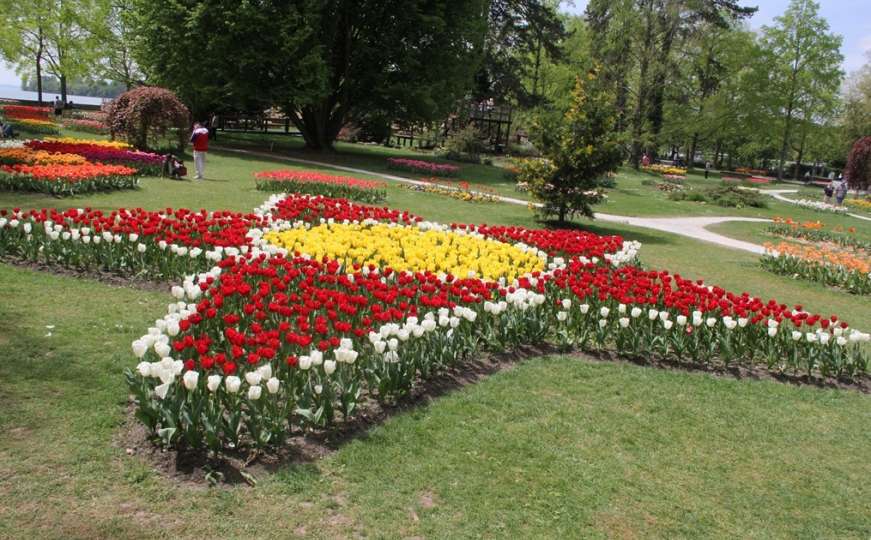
x,y
581,150
464,145
727,196
858,173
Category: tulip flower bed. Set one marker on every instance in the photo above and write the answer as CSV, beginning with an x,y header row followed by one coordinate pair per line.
x,y
86,125
67,179
848,270
460,190
859,204
820,206
328,185
28,156
816,231
29,118
422,167
145,163
670,170
294,315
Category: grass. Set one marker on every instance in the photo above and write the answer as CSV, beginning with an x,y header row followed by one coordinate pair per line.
x,y
554,447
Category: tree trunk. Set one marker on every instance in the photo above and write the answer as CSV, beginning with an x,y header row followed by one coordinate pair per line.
x,y
797,173
693,148
717,156
39,76
536,71
63,89
562,213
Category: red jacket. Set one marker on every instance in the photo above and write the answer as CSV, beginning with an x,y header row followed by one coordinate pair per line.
x,y
200,138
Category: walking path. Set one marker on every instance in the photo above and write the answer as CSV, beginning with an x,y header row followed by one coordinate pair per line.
x,y
691,227
778,194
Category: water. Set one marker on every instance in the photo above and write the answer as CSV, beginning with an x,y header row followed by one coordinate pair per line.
x,y
13,92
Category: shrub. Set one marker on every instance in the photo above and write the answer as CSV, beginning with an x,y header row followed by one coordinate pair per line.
x,y
147,116
464,145
858,172
725,196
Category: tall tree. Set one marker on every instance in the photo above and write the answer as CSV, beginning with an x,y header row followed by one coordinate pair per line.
x,y
856,112
24,41
72,38
521,36
325,62
116,45
803,66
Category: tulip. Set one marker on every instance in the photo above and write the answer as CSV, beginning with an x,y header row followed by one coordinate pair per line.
x,y
254,393
161,390
585,308
329,367
318,389
380,346
144,368
305,362
232,384
604,311
317,357
566,303
652,314
796,335
190,379
265,371
272,385
772,331
213,383
561,316
603,323
253,378
635,312
681,320
139,348
624,322
667,324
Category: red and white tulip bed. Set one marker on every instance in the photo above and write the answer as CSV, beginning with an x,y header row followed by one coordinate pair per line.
x,y
260,341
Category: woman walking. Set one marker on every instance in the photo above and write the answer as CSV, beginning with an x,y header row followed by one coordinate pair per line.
x,y
200,140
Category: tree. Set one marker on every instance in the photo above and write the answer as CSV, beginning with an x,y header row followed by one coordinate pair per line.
x,y
116,46
856,112
581,150
521,36
147,116
325,62
803,67
23,43
858,172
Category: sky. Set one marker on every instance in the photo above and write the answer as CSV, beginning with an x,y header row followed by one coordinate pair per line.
x,y
849,18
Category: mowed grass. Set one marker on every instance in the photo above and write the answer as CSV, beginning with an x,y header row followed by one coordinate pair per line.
x,y
553,447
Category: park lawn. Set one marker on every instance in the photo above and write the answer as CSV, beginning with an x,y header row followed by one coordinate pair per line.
x,y
553,447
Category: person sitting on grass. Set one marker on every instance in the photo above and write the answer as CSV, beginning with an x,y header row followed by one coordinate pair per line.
x,y
174,167
6,131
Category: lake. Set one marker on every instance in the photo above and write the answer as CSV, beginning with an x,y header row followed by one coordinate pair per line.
x,y
13,92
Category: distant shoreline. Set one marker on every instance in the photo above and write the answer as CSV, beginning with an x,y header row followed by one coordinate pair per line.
x,y
9,91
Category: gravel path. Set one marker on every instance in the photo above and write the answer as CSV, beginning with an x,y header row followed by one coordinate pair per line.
x,y
691,227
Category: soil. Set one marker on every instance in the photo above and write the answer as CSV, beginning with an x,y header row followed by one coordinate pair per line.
x,y
107,278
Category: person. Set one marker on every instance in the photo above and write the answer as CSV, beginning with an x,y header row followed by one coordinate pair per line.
x,y
841,190
174,167
707,169
645,160
200,140
6,131
58,106
829,190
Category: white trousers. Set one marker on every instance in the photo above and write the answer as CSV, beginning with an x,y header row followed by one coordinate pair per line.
x,y
200,163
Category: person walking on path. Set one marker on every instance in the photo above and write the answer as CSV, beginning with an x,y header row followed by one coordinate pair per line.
x,y
829,190
840,190
200,140
58,106
707,169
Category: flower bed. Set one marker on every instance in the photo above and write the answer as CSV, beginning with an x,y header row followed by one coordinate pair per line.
x,y
816,231
90,126
460,190
24,155
422,167
328,185
29,118
260,341
658,168
850,271
144,162
859,204
820,206
67,179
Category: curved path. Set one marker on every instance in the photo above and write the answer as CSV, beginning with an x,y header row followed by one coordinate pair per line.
x,y
691,227
778,194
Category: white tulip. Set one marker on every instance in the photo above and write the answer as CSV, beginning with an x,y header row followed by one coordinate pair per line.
x,y
567,303
139,348
254,393
652,314
144,368
604,311
232,384
667,324
318,389
711,322
621,309
329,367
603,323
213,382
177,292
585,308
141,248
265,371
392,344
305,362
317,357
624,322
824,338
772,331
161,390
253,378
380,346
561,316
190,379
841,341
635,313
742,322
681,320
796,335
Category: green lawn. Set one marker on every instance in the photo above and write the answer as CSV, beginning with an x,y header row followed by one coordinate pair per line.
x,y
552,447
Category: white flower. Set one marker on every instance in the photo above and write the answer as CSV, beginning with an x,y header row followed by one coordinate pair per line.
x,y
265,371
742,322
841,340
380,346
305,362
232,383
161,390
624,322
603,323
604,311
318,389
144,368
253,378
272,385
652,314
190,379
567,303
139,348
141,248
392,344
177,292
663,315
711,322
213,382
824,338
796,335
317,357
254,393
810,337
561,316
585,308
681,320
667,324
772,331
621,308
329,367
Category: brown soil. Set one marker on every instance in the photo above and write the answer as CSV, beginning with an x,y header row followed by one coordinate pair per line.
x,y
107,278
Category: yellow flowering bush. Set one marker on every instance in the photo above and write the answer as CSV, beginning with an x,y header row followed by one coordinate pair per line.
x,y
658,168
410,248
861,204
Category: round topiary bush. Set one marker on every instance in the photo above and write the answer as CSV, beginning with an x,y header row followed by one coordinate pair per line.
x,y
149,117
